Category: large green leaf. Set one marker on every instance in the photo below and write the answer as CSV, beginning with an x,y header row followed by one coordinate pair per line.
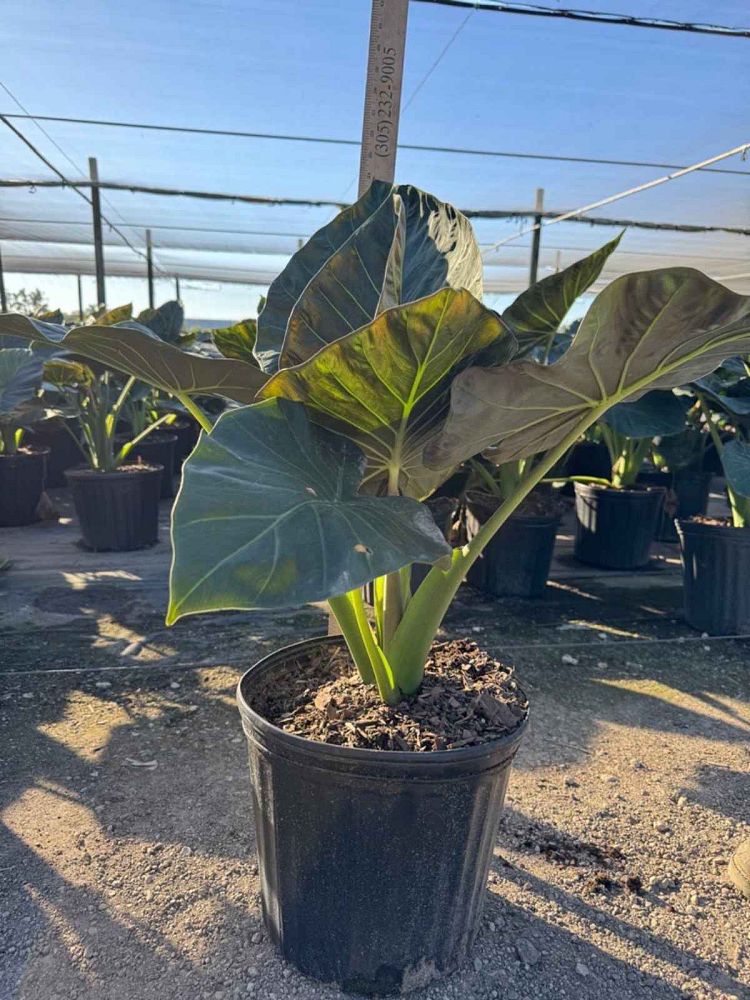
x,y
735,460
657,414
395,245
268,516
20,379
237,341
649,330
537,313
165,321
135,350
387,386
729,390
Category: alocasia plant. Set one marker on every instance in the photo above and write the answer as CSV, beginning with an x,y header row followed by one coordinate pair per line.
x,y
383,372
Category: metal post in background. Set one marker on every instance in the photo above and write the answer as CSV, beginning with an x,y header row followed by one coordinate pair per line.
x,y
177,287
150,269
3,299
80,299
536,236
385,65
96,208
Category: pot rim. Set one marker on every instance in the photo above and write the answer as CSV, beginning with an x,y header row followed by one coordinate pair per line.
x,y
644,489
27,451
84,473
726,531
435,758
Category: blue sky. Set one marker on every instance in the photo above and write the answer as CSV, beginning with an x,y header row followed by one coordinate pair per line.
x,y
507,82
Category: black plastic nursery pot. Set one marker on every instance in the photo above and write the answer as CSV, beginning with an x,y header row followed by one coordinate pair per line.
x,y
158,449
716,571
516,561
373,864
64,453
686,496
186,431
117,511
22,478
615,528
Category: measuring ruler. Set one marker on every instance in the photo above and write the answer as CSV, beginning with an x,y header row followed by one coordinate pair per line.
x,y
385,67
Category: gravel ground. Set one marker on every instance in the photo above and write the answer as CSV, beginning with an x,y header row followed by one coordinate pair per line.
x,y
127,869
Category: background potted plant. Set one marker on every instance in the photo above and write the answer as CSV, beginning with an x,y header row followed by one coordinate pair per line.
x,y
380,372
117,502
715,551
516,561
616,519
677,462
22,467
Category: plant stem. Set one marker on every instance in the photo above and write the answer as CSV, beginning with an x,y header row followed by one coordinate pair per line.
x,y
192,407
414,637
342,609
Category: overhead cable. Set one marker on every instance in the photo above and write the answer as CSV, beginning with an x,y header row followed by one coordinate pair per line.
x,y
471,213
569,216
332,141
64,182
597,17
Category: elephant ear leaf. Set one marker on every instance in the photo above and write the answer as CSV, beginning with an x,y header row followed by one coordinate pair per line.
x,y
657,414
387,386
394,246
537,313
735,459
20,379
109,317
136,350
165,321
648,330
269,517
237,341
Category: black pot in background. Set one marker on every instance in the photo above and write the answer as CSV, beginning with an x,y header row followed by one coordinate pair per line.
x,y
373,864
158,449
686,496
587,458
64,453
187,431
615,528
716,571
516,561
443,509
117,511
21,486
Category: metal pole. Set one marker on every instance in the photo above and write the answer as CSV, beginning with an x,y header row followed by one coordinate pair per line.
x,y
385,65
149,270
177,287
96,208
536,237
80,299
3,299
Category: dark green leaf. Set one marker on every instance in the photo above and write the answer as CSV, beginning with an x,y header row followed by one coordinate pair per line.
x,y
237,341
268,516
394,246
537,313
135,350
649,330
165,321
657,413
387,386
735,459
20,379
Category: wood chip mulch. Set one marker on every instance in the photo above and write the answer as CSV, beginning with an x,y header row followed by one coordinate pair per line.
x,y
467,699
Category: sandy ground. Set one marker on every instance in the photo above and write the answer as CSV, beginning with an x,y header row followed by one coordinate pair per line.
x,y
126,862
